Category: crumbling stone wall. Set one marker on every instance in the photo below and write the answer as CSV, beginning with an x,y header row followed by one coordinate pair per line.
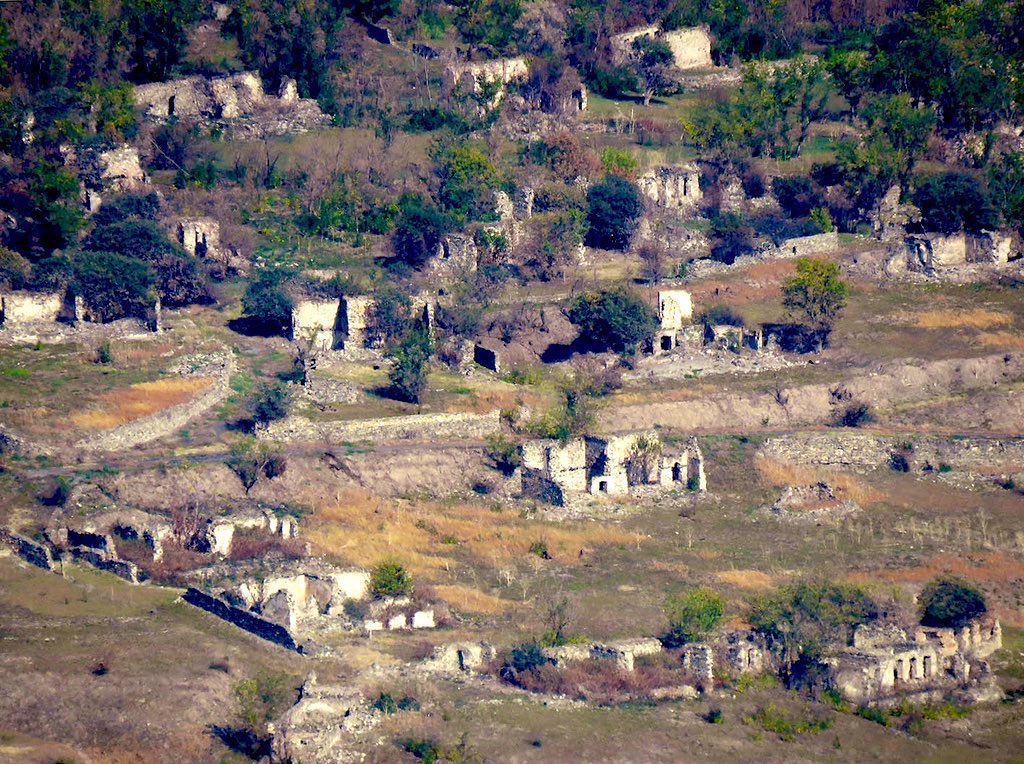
x,y
928,252
200,237
118,170
460,657
675,310
471,76
691,47
672,187
28,550
623,652
243,619
167,422
413,427
322,726
804,246
30,307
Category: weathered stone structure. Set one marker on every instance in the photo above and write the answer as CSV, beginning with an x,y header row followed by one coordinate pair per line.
x,y
414,426
200,237
472,76
805,246
237,101
118,170
342,323
243,619
623,652
929,252
672,187
675,311
551,470
220,532
460,658
320,728
887,663
691,47
32,307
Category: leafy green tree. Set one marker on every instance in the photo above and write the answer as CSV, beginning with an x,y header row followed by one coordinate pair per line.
x,y
58,215
179,278
653,61
266,301
270,403
113,286
807,621
389,578
950,601
817,294
692,616
615,209
490,23
615,319
418,231
731,237
954,202
468,180
851,73
1006,185
390,318
121,208
410,358
156,34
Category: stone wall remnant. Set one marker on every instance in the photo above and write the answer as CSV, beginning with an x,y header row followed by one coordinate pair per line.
x,y
32,552
675,311
417,426
460,657
691,46
805,246
31,307
471,76
672,187
200,237
608,465
243,619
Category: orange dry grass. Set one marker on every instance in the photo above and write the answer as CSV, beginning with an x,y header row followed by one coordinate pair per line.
x,y
1002,340
140,400
467,600
977,318
430,537
777,473
747,579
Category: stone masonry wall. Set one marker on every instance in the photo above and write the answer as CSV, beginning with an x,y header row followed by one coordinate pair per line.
x,y
165,422
28,550
243,619
420,426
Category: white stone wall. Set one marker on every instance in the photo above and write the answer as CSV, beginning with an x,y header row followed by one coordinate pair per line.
x,y
691,47
675,308
803,246
672,187
27,307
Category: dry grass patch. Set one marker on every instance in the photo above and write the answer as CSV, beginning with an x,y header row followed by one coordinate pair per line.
x,y
430,537
467,600
780,474
747,579
976,318
1002,340
137,401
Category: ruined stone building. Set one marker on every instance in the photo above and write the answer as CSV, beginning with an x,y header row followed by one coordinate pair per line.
x,y
672,187
675,312
691,47
472,76
230,99
200,237
886,663
928,252
343,323
611,465
25,312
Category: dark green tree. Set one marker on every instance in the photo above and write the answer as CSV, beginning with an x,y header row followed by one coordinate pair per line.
x,y
954,202
692,616
114,286
615,319
817,294
266,301
615,209
418,231
950,601
390,317
653,61
389,578
490,23
410,358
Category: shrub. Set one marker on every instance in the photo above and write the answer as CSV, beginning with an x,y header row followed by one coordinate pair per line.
x,y
875,715
540,549
714,716
266,300
525,657
774,719
418,231
898,462
615,320
504,454
854,415
270,404
796,195
692,616
950,601
945,467
409,359
114,286
390,579
104,354
390,316
615,207
142,206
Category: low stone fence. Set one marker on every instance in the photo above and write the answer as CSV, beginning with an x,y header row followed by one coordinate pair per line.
x,y
243,619
168,421
28,550
865,451
416,427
